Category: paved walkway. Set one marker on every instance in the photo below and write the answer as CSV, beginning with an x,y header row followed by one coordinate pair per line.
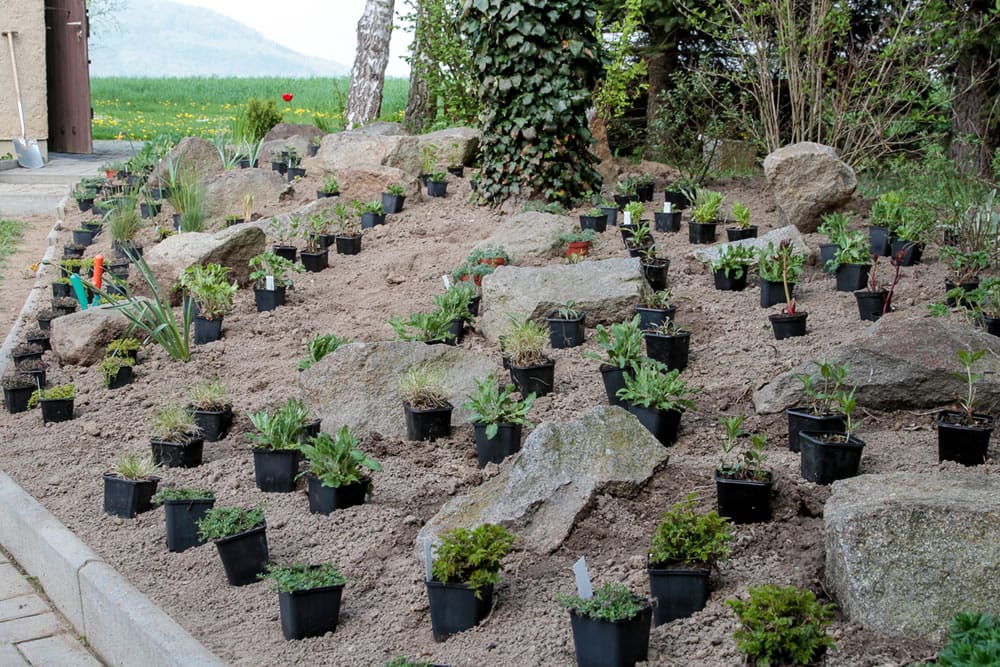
x,y
31,632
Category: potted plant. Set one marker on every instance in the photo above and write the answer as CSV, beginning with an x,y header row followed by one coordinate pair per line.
x,y
625,191
984,302
743,228
293,162
964,269
330,187
213,294
631,216
492,256
609,628
676,193
594,219
269,273
336,478
175,439
437,326
531,371
210,405
655,307
887,213
608,208
669,219
657,397
371,214
827,456
644,187
820,413
730,267
781,625
455,304
876,301
319,346
393,198
425,403
437,184
348,237
622,347
639,240
705,215
669,344
742,485
790,322
282,234
84,198
913,233
240,536
566,326
498,419
130,487
17,392
778,265
428,160
315,256
963,433
654,269
182,509
577,243
275,446
309,598
851,262
833,226
124,224
56,402
465,567
686,546
116,371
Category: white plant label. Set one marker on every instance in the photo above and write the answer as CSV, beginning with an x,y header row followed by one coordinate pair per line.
x,y
428,561
583,587
269,282
446,280
666,207
628,218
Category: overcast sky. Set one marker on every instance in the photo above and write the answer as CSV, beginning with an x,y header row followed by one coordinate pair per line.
x,y
321,28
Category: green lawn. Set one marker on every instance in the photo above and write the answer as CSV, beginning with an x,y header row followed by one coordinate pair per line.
x,y
143,108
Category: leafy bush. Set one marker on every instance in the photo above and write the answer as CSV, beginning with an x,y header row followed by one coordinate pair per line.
x,y
781,625
492,406
472,556
973,639
280,430
221,522
303,577
610,602
261,116
337,462
181,493
684,537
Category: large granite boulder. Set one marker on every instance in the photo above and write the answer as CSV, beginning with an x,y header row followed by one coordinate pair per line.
x,y
225,192
283,131
531,235
81,337
355,148
898,363
453,145
270,151
907,551
708,253
192,154
549,485
807,180
367,183
606,289
357,384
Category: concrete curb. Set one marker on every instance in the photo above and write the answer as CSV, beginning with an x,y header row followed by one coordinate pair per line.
x,y
120,623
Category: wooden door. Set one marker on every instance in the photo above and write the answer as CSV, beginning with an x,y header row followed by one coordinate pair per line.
x,y
68,66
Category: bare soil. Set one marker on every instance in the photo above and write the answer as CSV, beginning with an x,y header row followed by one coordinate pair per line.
x,y
385,611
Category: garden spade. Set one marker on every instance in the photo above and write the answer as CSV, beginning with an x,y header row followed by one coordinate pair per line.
x,y
28,155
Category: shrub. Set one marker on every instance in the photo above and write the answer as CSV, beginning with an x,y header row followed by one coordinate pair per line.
x,y
261,116
472,556
781,625
973,639
610,602
684,537
303,577
221,522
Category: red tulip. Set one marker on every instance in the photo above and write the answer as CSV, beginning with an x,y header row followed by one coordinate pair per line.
x,y
287,97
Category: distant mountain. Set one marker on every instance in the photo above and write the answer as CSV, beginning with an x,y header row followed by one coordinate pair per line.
x,y
163,38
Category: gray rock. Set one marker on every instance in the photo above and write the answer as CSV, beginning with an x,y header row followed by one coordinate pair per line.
x,y
81,337
382,128
270,151
899,363
606,289
357,384
531,235
224,192
455,145
807,180
283,131
708,253
907,551
346,150
190,153
548,486
368,183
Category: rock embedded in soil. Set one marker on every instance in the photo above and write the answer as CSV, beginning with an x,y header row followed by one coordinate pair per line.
x,y
190,154
549,485
530,235
776,236
905,552
808,179
224,193
81,337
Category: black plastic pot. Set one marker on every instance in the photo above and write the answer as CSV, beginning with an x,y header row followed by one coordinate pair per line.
x,y
275,470
990,324
437,188
369,220
429,424
539,379
677,198
207,331
455,607
655,273
83,237
667,222
310,613
16,399
880,240
84,204
672,350
852,277
295,172
348,245
773,292
177,454
182,518
827,251
244,556
652,318
123,377
315,261
913,252
128,497
702,232
600,643
960,442
744,500
800,419
611,213
268,299
565,333
826,457
614,379
598,223
289,252
788,326
871,304
644,192
60,290
679,592
392,203
663,424
149,210
213,423
457,170
622,200
967,286
325,499
507,441
56,409
737,234
732,282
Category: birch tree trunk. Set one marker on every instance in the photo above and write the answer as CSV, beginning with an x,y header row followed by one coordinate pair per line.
x,y
364,99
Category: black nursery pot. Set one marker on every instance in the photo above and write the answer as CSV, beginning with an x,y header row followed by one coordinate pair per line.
x,y
244,555
655,273
788,326
123,377
429,424
60,290
177,454
600,643
730,283
701,232
663,424
960,442
880,240
852,277
348,245
369,220
289,252
672,350
598,223
294,172
744,500
803,420
437,188
275,470
667,222
912,252
737,234
16,399
677,198
614,379
967,286
644,192
325,499
56,409
827,251
773,292
678,592
182,517
565,333
207,331
539,379
128,497
213,424
652,318
83,236
871,304
268,299
507,441
611,213
310,613
392,203
824,460
990,324
315,261
454,607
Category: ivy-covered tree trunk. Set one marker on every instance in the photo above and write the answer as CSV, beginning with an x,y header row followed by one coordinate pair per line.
x,y
975,111
364,99
537,63
418,107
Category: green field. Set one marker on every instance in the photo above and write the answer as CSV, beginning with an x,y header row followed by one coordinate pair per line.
x,y
141,108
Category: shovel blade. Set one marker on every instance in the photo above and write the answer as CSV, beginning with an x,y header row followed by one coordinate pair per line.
x,y
28,154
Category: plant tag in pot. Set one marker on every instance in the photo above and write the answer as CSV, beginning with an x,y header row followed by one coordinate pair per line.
x,y
628,218
666,207
446,280
269,282
583,587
